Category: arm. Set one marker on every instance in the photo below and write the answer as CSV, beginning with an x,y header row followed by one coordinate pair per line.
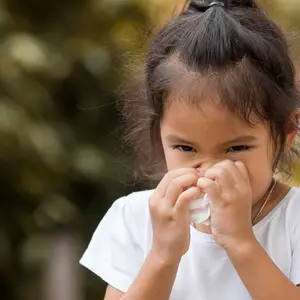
x,y
154,281
170,217
112,293
231,203
260,275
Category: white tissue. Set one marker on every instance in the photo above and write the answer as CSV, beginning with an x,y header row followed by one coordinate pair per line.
x,y
199,211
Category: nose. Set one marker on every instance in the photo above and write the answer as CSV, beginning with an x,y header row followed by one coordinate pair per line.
x,y
206,164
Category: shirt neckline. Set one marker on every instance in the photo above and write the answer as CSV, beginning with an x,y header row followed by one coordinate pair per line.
x,y
199,236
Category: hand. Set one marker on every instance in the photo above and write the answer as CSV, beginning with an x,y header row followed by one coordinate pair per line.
x,y
169,210
228,187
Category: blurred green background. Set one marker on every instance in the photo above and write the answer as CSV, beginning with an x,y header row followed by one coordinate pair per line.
x,y
61,158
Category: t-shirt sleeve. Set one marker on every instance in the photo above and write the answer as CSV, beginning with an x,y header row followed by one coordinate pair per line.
x,y
115,253
295,271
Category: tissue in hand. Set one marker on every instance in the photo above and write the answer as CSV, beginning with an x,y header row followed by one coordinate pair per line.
x,y
199,210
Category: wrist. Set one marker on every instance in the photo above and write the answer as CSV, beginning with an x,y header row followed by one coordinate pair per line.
x,y
241,247
163,261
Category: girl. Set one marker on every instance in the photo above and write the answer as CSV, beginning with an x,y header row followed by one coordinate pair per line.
x,y
220,113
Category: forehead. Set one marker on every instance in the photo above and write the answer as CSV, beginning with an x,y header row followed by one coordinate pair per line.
x,y
211,121
234,88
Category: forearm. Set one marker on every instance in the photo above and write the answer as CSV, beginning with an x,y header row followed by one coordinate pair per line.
x,y
154,281
260,275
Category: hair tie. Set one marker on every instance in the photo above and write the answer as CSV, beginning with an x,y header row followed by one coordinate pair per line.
x,y
202,6
217,3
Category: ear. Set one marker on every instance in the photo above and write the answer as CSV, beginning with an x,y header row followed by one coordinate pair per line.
x,y
291,131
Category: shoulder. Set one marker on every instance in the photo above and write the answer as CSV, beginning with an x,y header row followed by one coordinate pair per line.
x,y
132,208
124,222
136,202
292,207
293,196
136,198
118,246
285,215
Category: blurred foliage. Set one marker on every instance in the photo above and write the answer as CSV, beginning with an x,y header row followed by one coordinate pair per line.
x,y
60,156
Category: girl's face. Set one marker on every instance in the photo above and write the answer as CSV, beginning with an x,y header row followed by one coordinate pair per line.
x,y
200,138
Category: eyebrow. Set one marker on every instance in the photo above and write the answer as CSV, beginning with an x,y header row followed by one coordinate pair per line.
x,y
241,139
172,138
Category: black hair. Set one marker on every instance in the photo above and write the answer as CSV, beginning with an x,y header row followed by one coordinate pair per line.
x,y
235,47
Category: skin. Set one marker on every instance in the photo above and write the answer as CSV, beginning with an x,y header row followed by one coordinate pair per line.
x,y
210,150
202,147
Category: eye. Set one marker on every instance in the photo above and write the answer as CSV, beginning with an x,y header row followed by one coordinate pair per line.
x,y
184,148
239,148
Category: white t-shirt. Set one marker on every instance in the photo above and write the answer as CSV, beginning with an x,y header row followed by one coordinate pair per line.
x,y
123,239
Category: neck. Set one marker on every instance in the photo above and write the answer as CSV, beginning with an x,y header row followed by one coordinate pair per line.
x,y
263,202
278,194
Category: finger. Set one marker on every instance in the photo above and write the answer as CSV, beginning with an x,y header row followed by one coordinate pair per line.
x,y
177,186
243,170
187,196
234,171
210,187
222,176
162,187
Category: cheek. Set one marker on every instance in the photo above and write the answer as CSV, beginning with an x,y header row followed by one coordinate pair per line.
x,y
173,160
259,167
169,157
